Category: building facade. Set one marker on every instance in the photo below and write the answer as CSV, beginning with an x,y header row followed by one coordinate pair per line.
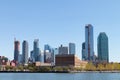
x,y
16,50
36,50
63,50
52,55
47,56
56,51
72,48
47,47
20,59
69,60
42,57
83,52
89,43
25,52
32,58
103,49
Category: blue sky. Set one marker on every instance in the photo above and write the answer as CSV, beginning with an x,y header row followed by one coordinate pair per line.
x,y
57,22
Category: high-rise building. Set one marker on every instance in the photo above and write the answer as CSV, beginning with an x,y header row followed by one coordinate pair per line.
x,y
47,47
42,57
20,59
89,42
25,52
36,49
72,48
16,50
32,58
49,53
56,52
103,51
39,57
52,55
63,50
83,52
47,56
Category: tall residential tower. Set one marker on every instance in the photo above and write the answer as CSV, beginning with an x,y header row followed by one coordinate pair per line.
x,y
89,42
25,52
16,50
72,48
36,50
83,52
103,51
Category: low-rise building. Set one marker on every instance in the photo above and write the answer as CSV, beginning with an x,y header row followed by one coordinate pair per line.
x,y
69,60
42,64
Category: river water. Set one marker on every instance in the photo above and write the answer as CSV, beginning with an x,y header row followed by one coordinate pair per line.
x,y
59,76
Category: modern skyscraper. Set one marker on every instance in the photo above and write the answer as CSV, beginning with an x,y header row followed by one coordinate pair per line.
x,y
42,57
32,58
47,47
20,59
89,42
52,55
47,56
83,52
103,51
56,51
72,48
16,50
36,49
63,50
25,52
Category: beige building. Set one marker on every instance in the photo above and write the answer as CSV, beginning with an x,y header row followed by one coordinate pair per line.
x,y
42,64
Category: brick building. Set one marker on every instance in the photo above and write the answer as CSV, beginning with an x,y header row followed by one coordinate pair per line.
x,y
69,60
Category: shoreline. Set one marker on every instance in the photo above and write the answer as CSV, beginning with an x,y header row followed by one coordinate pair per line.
x,y
60,72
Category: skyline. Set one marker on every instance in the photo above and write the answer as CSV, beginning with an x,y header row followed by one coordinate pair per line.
x,y
58,22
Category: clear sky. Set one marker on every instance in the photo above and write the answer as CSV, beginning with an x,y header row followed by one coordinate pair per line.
x,y
56,22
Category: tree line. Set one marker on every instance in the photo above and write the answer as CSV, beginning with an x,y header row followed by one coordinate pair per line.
x,y
89,67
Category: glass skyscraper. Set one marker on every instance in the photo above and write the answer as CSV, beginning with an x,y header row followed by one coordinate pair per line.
x,y
47,56
89,42
36,49
16,50
103,51
83,51
72,49
47,47
32,58
20,59
25,52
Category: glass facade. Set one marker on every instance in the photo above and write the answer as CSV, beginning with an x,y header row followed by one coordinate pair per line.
x,y
89,43
103,51
16,50
32,58
47,56
83,52
72,49
20,59
25,52
47,47
36,49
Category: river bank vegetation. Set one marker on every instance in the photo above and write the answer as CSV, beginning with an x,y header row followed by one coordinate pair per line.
x,y
89,67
